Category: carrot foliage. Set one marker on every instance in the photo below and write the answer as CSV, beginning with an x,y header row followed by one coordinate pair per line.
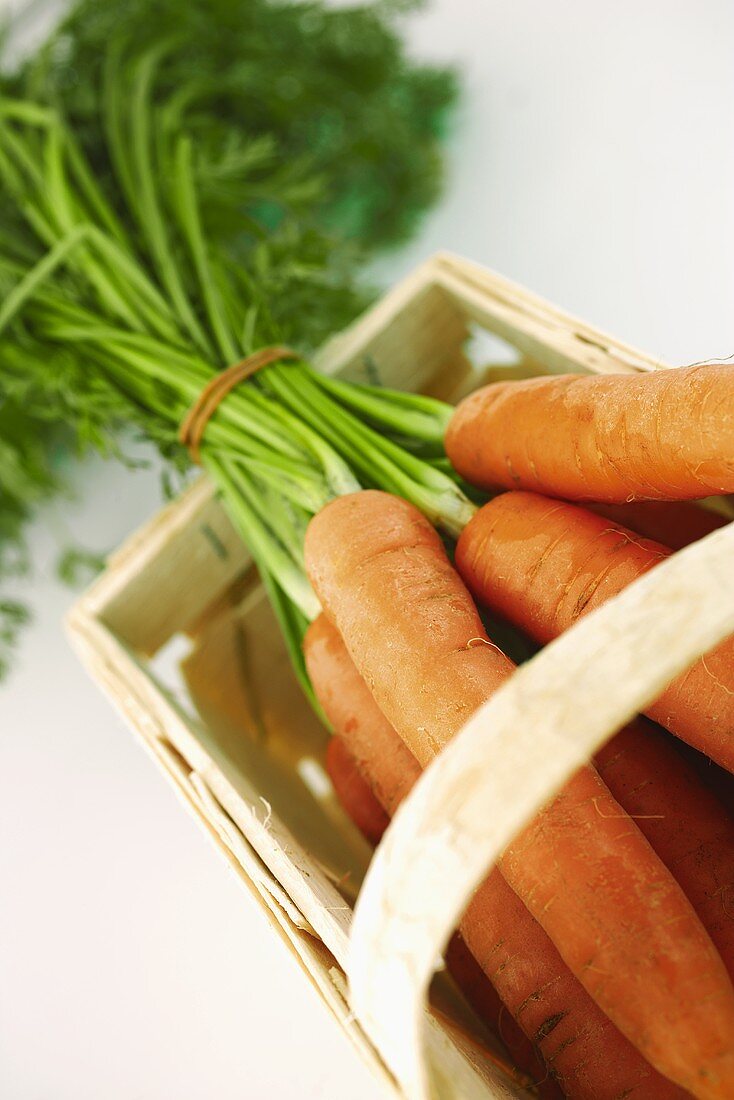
x,y
120,303
181,184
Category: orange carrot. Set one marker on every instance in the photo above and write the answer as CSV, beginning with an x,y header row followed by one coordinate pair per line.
x,y
541,564
684,822
715,778
666,435
592,882
483,998
584,1050
356,718
674,523
588,1055
354,792
361,805
545,867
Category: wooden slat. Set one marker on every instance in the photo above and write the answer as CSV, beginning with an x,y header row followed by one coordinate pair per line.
x,y
540,330
404,339
167,574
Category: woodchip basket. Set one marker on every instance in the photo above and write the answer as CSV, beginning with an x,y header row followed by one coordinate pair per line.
x,y
178,632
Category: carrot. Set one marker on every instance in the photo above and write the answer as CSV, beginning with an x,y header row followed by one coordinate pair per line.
x,y
584,1050
674,523
361,806
666,435
541,564
354,792
356,718
586,1053
483,998
592,882
684,822
545,869
715,778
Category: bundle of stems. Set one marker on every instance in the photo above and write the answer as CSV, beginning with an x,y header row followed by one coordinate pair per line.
x,y
116,290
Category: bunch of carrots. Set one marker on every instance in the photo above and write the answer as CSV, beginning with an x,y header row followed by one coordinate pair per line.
x,y
601,948
606,931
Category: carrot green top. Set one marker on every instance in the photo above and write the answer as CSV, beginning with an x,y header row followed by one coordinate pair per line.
x,y
112,287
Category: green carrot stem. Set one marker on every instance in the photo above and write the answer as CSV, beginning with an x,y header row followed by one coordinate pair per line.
x,y
237,496
421,418
293,624
284,521
131,294
377,459
39,274
299,485
152,221
184,194
91,191
149,303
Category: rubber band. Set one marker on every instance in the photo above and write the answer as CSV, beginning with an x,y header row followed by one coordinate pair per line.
x,y
194,423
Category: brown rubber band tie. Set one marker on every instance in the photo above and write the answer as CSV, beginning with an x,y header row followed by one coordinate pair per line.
x,y
194,423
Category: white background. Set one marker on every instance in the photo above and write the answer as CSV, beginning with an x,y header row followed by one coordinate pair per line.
x,y
593,161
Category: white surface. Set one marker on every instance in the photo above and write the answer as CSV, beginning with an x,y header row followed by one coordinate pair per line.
x,y
593,162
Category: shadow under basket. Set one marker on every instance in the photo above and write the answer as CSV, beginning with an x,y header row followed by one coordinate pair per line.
x,y
178,632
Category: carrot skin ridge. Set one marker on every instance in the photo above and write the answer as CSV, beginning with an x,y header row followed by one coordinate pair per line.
x,y
663,435
383,577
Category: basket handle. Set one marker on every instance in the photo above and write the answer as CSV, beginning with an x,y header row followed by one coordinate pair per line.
x,y
537,730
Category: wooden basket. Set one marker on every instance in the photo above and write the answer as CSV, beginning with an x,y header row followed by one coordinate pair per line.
x,y
179,634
